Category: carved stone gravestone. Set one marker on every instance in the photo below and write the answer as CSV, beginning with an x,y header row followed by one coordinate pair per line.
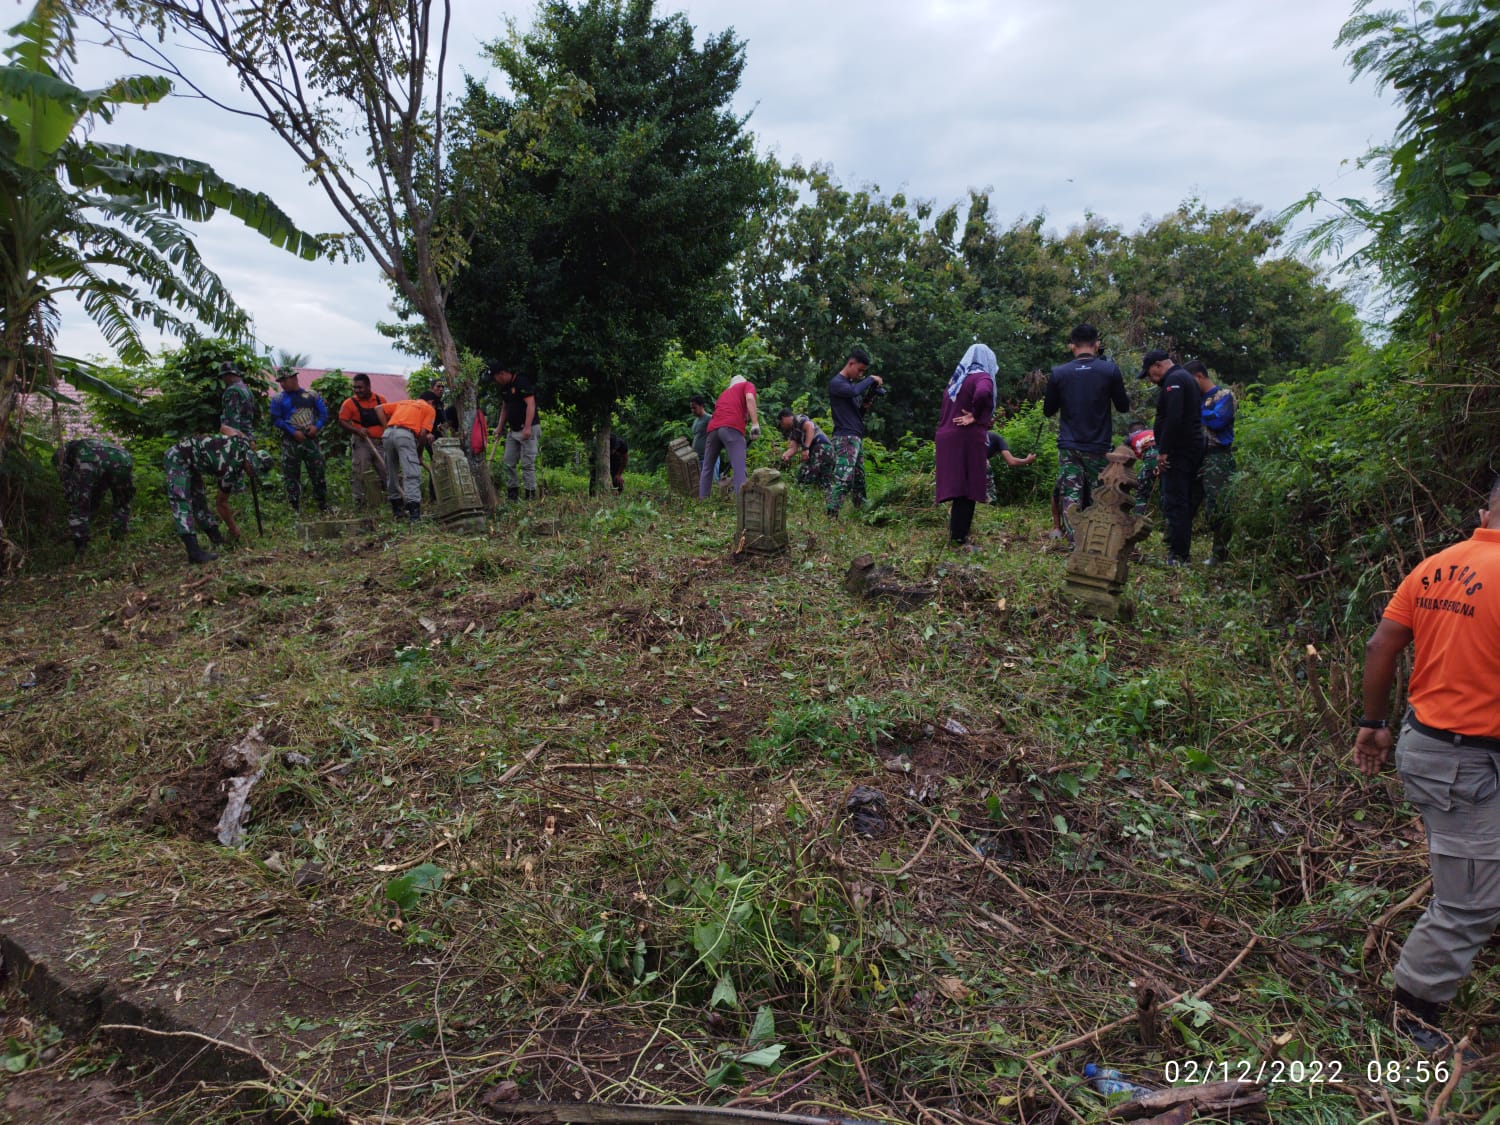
x,y
458,505
682,467
761,526
1096,571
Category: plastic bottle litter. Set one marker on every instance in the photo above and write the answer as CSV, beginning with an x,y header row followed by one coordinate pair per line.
x,y
1108,1080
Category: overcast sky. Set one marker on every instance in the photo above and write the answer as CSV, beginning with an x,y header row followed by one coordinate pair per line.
x,y
1059,106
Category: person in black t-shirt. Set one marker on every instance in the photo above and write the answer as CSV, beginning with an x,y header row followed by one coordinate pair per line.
x,y
519,423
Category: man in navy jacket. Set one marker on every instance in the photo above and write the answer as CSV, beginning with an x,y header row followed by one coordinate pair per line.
x,y
1179,447
1083,392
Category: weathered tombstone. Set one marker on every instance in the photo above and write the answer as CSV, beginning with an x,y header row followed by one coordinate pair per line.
x,y
761,505
1096,571
374,488
682,467
310,531
457,505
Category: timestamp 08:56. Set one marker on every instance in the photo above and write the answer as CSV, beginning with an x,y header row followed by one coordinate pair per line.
x,y
1314,1072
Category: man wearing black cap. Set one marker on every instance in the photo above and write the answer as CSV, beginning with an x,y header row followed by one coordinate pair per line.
x,y
300,416
1083,392
1179,447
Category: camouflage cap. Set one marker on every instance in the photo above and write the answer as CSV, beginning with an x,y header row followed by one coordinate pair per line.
x,y
228,369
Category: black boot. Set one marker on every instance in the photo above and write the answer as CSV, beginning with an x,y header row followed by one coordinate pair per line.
x,y
196,554
1420,1021
215,536
512,494
397,509
414,511
531,494
80,544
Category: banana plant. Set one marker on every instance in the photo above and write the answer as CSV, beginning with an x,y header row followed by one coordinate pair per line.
x,y
101,221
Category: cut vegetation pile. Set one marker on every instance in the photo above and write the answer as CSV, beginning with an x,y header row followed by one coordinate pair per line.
x,y
636,821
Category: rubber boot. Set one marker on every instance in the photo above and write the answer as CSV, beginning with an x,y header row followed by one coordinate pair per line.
x,y
397,509
215,536
512,494
196,554
531,494
414,511
80,544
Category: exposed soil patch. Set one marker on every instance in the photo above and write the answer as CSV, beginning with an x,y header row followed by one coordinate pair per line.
x,y
648,626
188,803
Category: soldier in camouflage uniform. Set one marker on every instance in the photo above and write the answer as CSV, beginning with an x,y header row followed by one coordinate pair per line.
x,y
299,416
237,404
229,460
88,468
1212,489
1143,444
1081,393
806,441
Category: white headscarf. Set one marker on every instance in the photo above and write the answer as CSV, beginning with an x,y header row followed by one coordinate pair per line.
x,y
977,358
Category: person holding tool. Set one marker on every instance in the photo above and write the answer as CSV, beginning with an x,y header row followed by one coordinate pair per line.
x,y
231,463
360,416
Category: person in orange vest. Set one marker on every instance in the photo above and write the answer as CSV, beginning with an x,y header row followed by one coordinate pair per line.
x,y
1448,757
360,416
408,428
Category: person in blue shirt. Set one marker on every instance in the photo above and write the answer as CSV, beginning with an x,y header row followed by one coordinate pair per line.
x,y
299,417
1218,460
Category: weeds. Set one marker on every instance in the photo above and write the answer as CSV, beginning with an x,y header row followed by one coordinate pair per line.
x,y
597,771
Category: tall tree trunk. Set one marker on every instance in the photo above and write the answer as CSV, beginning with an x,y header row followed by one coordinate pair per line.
x,y
599,478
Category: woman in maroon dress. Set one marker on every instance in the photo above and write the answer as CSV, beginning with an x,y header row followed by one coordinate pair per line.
x,y
962,459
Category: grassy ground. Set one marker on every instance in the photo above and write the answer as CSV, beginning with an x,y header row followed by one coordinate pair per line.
x,y
601,773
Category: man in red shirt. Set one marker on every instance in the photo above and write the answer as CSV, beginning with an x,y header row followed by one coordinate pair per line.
x,y
1448,757
727,431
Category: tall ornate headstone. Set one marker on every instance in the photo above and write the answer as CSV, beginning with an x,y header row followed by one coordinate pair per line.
x,y
1102,534
458,505
682,467
761,505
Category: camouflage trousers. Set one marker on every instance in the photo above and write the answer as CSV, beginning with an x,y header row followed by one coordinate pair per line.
x,y
848,478
86,481
817,470
295,454
186,497
1076,474
1212,492
1145,481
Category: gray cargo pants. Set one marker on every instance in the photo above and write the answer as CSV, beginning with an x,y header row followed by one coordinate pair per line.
x,y
1457,791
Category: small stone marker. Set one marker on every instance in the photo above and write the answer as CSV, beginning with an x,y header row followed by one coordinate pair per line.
x,y
761,526
1096,571
458,505
374,488
310,531
682,467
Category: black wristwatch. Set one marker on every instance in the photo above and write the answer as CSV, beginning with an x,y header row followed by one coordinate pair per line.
x,y
1374,724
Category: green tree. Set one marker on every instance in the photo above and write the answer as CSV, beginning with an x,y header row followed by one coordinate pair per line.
x,y
355,89
618,218
185,391
827,268
1210,284
98,220
1433,240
